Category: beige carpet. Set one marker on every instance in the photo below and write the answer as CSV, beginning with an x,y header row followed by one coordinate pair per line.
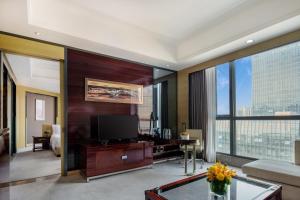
x,y
31,165
127,186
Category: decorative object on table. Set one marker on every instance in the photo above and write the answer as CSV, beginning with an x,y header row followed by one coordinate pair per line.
x,y
219,176
185,136
167,134
113,92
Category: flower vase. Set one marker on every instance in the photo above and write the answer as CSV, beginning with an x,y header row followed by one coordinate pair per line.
x,y
219,188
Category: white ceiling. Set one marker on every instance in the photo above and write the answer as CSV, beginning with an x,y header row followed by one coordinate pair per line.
x,y
35,73
175,19
167,33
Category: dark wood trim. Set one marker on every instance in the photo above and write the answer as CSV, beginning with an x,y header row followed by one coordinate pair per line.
x,y
150,195
182,182
65,107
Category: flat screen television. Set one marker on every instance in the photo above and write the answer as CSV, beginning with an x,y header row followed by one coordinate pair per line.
x,y
114,127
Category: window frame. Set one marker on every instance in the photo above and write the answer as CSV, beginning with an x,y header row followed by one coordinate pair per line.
x,y
232,117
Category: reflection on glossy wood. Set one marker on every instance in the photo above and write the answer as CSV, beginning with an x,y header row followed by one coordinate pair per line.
x,y
103,159
83,65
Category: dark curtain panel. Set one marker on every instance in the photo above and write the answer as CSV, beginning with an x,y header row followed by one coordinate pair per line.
x,y
1,89
198,103
164,105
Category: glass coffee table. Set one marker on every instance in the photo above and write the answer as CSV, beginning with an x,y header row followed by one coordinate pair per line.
x,y
197,188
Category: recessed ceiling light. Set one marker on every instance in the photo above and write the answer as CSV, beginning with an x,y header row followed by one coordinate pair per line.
x,y
37,33
249,41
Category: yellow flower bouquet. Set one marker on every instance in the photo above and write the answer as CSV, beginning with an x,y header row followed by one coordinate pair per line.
x,y
219,176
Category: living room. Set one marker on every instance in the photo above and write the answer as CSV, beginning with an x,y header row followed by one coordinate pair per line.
x,y
153,100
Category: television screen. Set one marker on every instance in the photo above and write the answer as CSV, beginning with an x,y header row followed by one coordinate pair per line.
x,y
115,127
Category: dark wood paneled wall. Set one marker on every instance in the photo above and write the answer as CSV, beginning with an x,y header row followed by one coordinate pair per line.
x,y
81,65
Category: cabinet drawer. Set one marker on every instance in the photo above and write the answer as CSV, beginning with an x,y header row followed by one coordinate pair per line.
x,y
109,159
134,155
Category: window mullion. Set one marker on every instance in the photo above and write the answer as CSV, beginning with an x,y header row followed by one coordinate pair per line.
x,y
232,101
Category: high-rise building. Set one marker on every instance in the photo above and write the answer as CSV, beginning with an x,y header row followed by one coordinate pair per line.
x,y
276,81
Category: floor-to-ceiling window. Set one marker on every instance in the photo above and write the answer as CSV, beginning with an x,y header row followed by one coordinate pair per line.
x,y
258,104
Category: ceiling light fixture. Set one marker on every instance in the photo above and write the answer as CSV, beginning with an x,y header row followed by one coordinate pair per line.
x,y
37,33
249,41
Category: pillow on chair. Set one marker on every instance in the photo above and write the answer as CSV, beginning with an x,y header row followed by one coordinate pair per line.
x,y
46,130
195,134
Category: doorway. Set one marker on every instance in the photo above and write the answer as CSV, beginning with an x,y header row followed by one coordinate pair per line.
x,y
32,102
36,49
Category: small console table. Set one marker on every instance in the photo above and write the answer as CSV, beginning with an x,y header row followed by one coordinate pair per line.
x,y
45,141
103,160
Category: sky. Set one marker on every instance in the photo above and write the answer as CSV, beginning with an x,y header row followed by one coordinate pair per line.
x,y
243,77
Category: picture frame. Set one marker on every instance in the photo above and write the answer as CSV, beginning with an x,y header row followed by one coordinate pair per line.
x,y
40,110
113,92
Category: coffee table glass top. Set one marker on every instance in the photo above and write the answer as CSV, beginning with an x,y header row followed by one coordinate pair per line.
x,y
198,189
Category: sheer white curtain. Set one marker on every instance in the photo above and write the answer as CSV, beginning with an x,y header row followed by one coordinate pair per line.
x,y
211,114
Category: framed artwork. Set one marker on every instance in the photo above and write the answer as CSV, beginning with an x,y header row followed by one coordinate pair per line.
x,y
113,92
39,109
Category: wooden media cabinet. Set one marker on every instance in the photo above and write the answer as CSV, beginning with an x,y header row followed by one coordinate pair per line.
x,y
104,160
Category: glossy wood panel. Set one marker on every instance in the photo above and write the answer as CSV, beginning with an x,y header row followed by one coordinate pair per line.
x,y
83,65
103,159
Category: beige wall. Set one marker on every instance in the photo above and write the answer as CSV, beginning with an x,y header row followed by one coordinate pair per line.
x,y
31,48
21,112
183,74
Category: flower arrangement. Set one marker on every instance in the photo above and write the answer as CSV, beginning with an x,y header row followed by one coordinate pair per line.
x,y
219,176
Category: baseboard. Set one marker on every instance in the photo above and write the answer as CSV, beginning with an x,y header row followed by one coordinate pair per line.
x,y
166,160
73,172
25,149
88,179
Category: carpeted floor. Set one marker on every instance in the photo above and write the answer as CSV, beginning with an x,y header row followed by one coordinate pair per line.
x,y
31,165
127,186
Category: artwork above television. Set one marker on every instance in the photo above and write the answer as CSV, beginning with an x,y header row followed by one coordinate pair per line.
x,y
113,92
